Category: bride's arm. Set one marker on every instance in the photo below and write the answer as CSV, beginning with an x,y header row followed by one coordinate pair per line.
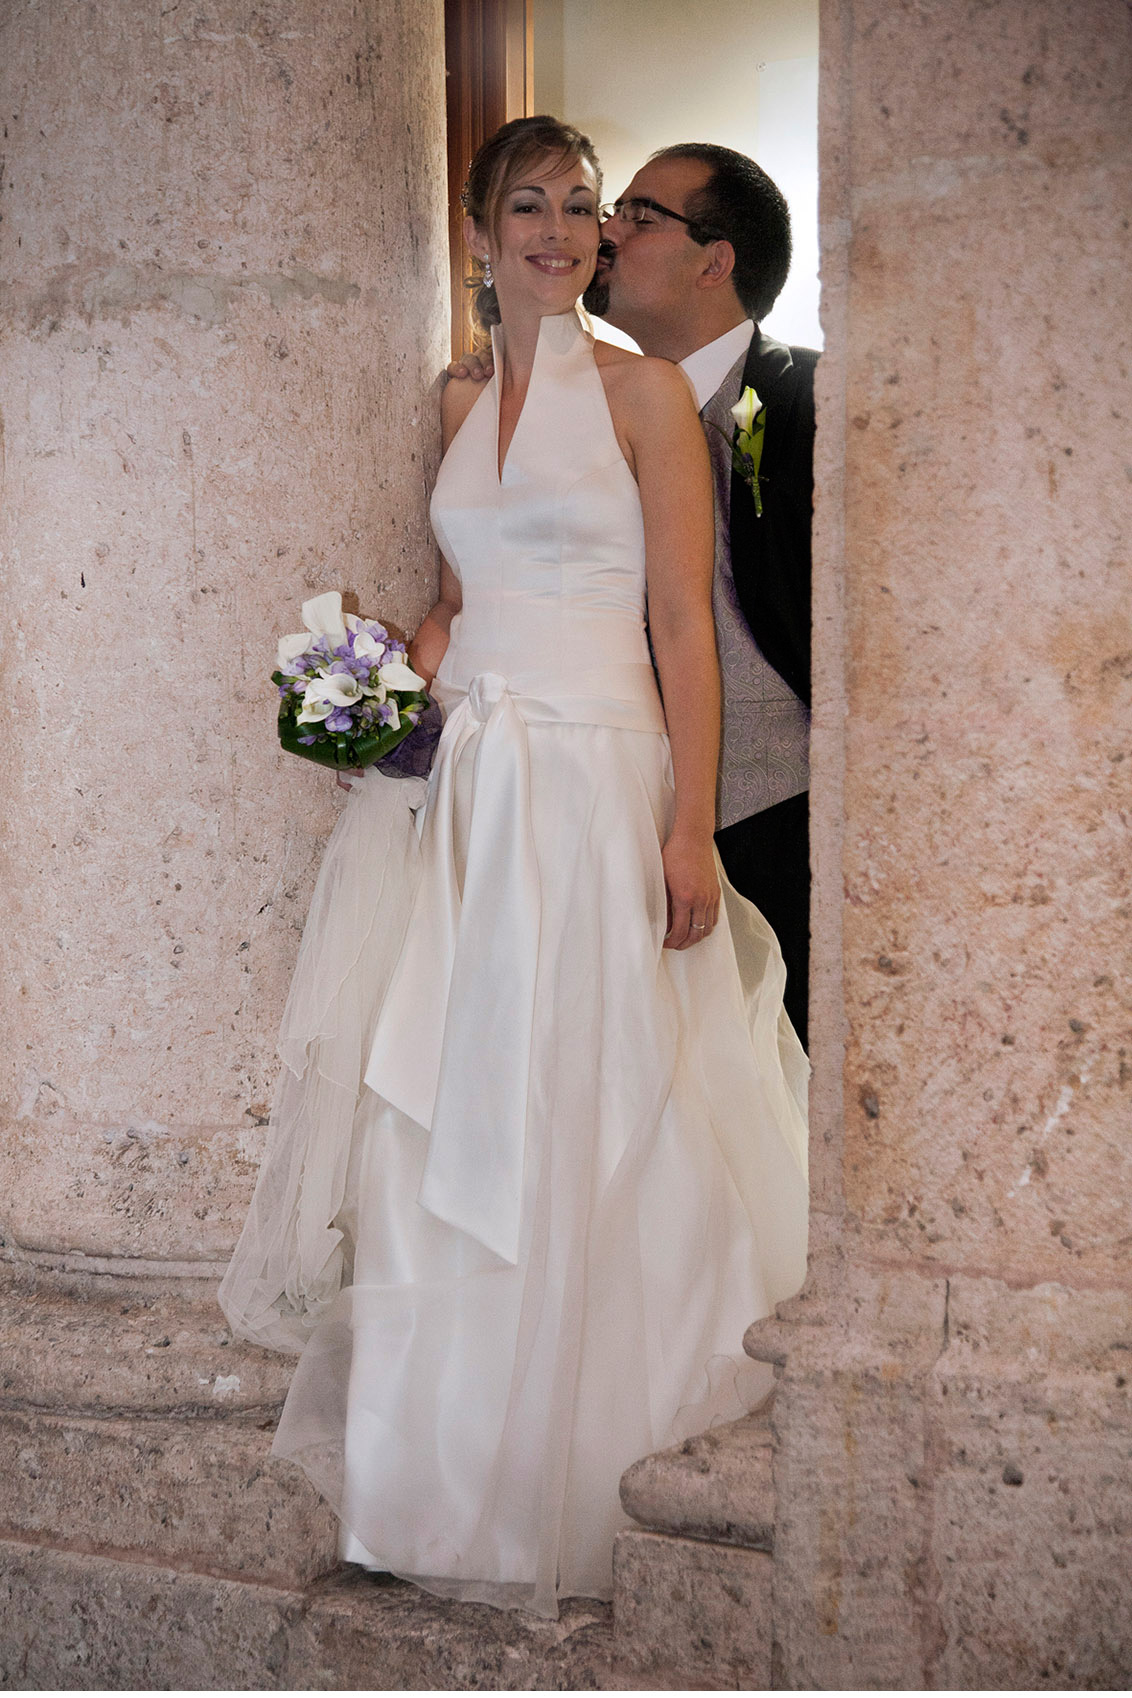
x,y
427,649
674,475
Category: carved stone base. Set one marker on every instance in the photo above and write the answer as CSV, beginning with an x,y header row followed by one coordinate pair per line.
x,y
689,1614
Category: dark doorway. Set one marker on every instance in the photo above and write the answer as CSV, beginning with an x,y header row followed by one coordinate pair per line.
x,y
489,63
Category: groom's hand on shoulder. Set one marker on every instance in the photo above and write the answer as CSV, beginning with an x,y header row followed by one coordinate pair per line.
x,y
478,367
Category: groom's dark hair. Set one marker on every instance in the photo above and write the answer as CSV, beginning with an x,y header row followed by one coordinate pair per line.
x,y
742,204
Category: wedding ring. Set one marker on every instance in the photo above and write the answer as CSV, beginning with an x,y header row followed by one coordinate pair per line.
x,y
697,928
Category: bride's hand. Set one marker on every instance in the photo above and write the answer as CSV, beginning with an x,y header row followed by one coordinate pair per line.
x,y
693,889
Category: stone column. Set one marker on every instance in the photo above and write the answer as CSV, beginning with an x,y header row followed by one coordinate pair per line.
x,y
224,238
223,230
953,1496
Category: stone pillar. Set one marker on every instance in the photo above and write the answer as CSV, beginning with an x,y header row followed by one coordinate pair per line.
x,y
954,1502
224,230
224,234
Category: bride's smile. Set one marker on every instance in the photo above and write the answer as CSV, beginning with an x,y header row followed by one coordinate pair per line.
x,y
552,262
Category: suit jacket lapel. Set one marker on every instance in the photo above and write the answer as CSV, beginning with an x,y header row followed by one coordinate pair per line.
x,y
769,555
766,372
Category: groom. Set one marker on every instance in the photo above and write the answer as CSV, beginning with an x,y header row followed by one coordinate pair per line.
x,y
692,258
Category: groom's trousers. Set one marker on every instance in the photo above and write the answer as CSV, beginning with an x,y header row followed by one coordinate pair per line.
x,y
767,859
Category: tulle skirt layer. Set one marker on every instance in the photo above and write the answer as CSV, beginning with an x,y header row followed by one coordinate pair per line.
x,y
467,1404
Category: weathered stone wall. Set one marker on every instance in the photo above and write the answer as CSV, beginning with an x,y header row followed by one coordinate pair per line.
x,y
223,235
955,1420
225,312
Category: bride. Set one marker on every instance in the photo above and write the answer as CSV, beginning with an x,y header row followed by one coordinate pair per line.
x,y
538,1155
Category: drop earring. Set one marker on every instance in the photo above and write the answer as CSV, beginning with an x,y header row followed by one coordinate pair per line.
x,y
487,277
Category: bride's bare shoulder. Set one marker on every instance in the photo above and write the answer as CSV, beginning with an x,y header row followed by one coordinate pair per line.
x,y
459,396
638,380
610,356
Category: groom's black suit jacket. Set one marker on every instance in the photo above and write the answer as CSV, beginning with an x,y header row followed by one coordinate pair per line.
x,y
770,556
767,856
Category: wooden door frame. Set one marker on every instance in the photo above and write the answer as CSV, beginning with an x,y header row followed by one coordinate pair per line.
x,y
490,78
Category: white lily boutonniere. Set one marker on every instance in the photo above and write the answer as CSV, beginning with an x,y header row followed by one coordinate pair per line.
x,y
747,443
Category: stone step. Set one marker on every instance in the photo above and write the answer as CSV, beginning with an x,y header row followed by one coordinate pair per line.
x,y
715,1486
79,1622
82,1343
201,1494
689,1615
136,1424
358,1625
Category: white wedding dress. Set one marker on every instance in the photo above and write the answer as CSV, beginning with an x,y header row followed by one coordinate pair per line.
x,y
522,1253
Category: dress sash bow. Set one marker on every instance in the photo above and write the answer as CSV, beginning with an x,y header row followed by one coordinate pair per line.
x,y
474,949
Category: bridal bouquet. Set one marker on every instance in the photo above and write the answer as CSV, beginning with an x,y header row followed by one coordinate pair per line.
x,y
348,696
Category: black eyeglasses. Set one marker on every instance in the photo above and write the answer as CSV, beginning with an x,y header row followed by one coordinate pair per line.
x,y
642,213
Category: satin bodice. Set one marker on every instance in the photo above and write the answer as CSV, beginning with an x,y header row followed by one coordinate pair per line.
x,y
550,555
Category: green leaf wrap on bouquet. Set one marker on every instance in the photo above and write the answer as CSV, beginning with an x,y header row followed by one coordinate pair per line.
x,y
342,751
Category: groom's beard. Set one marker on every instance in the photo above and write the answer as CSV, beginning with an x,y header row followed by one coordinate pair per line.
x,y
596,297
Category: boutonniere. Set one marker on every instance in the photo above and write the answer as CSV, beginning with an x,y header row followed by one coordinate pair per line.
x,y
747,442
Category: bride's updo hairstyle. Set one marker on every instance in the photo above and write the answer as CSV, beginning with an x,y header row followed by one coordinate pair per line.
x,y
522,148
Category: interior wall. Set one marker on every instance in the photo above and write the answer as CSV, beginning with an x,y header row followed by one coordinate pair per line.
x,y
637,75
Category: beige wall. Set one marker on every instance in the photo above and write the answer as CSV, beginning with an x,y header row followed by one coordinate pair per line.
x,y
639,74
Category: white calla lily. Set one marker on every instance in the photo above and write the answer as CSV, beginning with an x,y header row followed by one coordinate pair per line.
x,y
397,676
290,648
746,409
330,690
340,689
367,647
315,707
322,616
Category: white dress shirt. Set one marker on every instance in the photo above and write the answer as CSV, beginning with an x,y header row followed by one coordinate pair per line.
x,y
709,365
